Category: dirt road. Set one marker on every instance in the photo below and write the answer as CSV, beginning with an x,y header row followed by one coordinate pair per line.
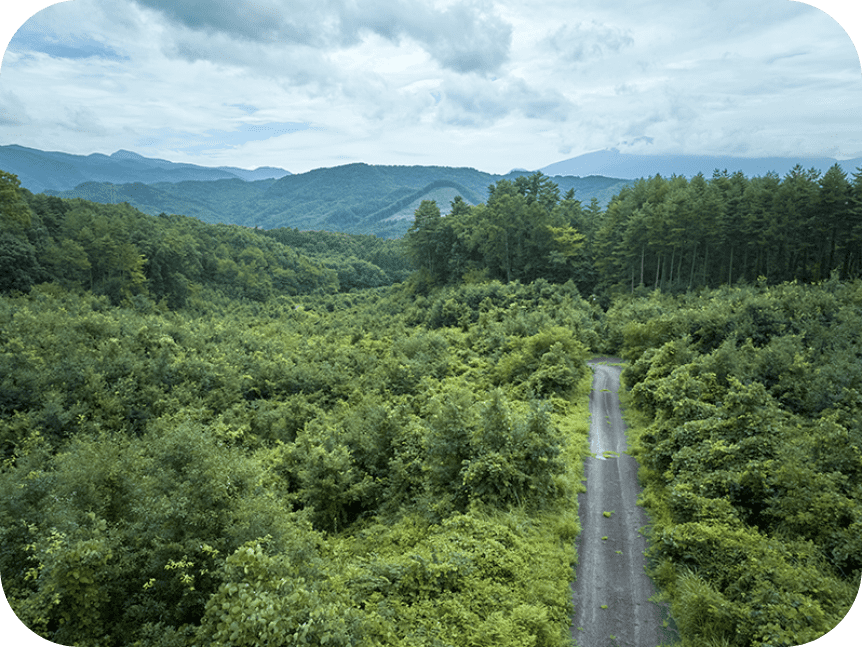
x,y
612,591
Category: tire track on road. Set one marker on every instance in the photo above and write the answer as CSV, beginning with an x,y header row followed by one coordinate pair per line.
x,y
611,591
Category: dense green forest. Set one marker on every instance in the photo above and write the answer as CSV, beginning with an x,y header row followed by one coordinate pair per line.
x,y
212,434
124,254
662,233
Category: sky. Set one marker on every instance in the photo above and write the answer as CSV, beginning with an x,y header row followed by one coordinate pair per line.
x,y
488,84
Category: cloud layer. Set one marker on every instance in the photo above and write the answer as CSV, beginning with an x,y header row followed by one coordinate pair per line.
x,y
463,37
493,84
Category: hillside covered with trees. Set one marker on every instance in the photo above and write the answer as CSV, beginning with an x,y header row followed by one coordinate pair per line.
x,y
117,251
213,434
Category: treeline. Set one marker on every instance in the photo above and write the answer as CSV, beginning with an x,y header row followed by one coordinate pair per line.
x,y
320,469
524,232
677,234
751,455
117,251
669,233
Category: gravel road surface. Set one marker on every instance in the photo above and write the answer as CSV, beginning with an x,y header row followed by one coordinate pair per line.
x,y
612,591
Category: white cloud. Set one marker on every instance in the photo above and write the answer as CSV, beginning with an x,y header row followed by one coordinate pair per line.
x,y
464,37
12,110
482,83
587,43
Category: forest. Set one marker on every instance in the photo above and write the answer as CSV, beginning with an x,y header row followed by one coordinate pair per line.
x,y
282,437
672,234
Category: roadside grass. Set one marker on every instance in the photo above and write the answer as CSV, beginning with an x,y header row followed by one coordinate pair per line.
x,y
636,423
571,416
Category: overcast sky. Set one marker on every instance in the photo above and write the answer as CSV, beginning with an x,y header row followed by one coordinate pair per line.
x,y
490,84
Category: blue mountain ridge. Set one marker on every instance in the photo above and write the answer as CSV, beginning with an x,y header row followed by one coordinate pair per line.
x,y
40,171
613,163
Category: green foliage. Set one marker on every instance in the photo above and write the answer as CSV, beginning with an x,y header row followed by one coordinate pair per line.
x,y
473,579
676,235
113,519
750,460
361,261
547,363
130,257
506,461
318,465
19,267
523,232
502,312
283,599
425,239
14,214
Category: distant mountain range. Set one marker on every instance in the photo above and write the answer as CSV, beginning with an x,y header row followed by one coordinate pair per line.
x,y
39,170
354,198
612,163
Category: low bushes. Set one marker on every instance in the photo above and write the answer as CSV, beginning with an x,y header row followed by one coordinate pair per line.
x,y
297,470
751,459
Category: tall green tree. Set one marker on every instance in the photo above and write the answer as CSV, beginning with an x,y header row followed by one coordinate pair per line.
x,y
422,239
14,212
795,225
708,225
760,222
538,187
732,239
19,267
608,250
832,223
852,262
